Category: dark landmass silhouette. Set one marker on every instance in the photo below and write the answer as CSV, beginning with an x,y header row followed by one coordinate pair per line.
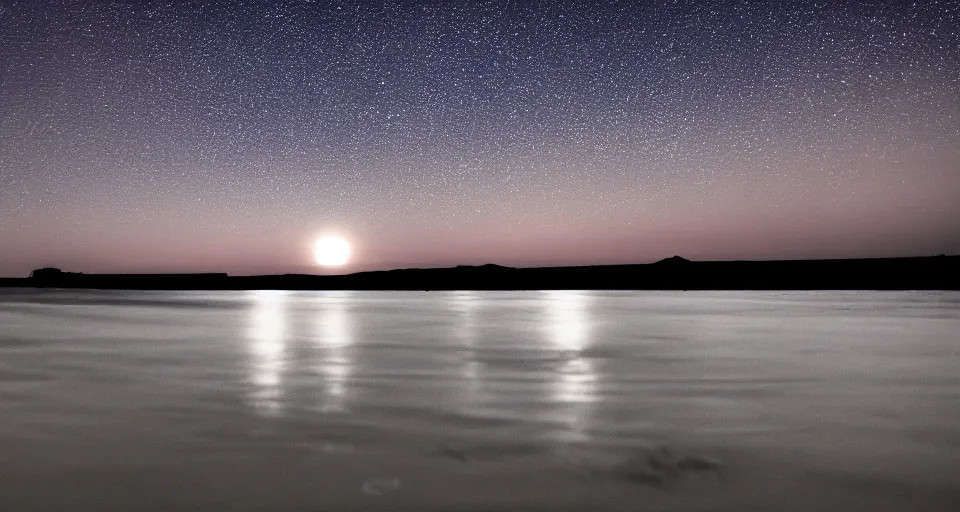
x,y
675,273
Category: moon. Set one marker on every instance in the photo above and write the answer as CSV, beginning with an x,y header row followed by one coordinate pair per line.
x,y
332,251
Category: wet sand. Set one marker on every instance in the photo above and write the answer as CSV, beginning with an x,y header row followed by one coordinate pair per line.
x,y
477,402
294,480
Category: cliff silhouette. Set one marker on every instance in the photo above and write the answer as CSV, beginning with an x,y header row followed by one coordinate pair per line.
x,y
675,273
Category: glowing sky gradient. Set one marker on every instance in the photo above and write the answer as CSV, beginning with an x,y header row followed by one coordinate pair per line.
x,y
229,136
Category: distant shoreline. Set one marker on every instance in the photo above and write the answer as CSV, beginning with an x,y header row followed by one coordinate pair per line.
x,y
916,273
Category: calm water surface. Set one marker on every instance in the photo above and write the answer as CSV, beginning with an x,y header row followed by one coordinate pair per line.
x,y
567,400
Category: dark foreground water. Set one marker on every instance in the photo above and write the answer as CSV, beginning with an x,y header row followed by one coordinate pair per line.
x,y
321,401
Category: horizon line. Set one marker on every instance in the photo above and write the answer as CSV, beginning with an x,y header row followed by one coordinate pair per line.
x,y
675,258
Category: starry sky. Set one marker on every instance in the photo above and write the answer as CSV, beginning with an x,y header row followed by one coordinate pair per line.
x,y
142,136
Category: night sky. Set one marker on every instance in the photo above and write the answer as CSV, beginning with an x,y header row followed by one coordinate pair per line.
x,y
229,136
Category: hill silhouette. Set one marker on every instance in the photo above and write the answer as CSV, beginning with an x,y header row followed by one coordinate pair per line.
x,y
674,273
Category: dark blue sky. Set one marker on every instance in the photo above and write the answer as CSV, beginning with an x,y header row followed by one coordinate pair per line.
x,y
230,135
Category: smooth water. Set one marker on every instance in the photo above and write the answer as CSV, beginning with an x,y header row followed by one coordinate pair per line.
x,y
568,400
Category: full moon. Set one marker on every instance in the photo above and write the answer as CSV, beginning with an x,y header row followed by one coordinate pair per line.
x,y
332,251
